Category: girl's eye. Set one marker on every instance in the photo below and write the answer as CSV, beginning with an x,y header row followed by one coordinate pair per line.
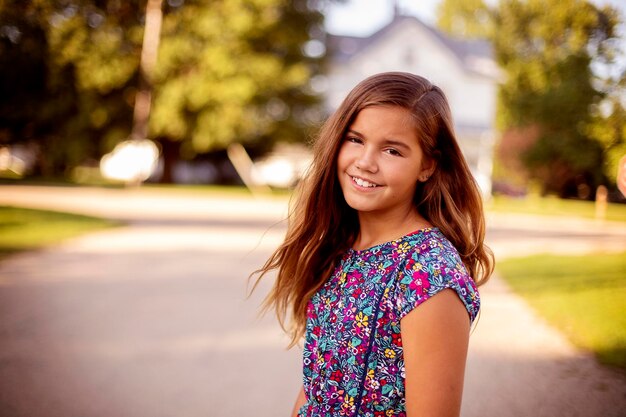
x,y
393,152
353,139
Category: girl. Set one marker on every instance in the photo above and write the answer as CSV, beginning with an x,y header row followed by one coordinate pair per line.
x,y
387,220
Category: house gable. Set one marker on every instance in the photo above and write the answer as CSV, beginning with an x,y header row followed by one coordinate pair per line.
x,y
463,69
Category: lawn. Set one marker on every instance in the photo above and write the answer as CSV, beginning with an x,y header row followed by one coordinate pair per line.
x,y
583,296
23,229
553,206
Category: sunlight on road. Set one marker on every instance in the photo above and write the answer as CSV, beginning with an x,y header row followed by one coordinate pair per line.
x,y
166,238
228,342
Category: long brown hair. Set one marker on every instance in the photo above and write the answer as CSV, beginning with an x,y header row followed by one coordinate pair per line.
x,y
322,226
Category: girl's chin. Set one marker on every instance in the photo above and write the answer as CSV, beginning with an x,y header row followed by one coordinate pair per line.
x,y
363,206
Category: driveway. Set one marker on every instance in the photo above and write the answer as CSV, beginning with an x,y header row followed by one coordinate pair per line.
x,y
152,319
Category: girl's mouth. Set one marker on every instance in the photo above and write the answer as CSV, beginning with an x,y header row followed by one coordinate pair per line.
x,y
363,183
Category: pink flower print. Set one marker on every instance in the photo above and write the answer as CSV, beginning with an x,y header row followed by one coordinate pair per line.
x,y
359,331
348,313
354,277
420,282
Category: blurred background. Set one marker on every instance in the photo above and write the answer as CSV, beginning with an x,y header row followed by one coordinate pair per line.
x,y
536,88
149,148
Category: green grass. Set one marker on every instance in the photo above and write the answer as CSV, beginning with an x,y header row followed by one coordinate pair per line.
x,y
583,296
26,229
200,189
552,206
191,189
215,190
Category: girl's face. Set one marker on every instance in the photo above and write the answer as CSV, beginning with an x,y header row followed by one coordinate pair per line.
x,y
380,162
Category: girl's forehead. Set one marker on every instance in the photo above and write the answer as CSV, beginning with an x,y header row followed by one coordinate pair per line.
x,y
385,108
389,114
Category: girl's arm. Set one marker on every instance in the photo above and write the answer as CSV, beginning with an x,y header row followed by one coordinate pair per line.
x,y
434,338
300,400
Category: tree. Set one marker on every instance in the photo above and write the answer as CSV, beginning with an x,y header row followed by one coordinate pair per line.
x,y
465,18
547,50
228,70
234,71
86,68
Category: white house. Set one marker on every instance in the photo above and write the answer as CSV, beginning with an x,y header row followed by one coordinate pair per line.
x,y
465,70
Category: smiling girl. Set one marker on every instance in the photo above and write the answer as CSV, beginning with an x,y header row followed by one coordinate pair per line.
x,y
383,255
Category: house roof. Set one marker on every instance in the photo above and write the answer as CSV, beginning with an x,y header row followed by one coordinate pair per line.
x,y
468,52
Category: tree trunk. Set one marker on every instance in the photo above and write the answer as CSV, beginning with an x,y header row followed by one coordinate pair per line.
x,y
170,151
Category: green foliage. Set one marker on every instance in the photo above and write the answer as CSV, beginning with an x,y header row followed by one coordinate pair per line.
x,y
583,296
547,50
465,18
227,71
78,65
222,67
609,130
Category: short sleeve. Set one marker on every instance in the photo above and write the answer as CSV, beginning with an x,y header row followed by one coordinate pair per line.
x,y
430,268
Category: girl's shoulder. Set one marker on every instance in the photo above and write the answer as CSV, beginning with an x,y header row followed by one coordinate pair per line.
x,y
399,249
428,243
431,243
425,243
432,264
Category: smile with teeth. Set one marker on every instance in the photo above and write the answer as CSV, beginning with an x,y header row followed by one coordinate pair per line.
x,y
362,183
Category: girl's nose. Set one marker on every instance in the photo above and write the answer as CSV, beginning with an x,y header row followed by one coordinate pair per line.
x,y
366,162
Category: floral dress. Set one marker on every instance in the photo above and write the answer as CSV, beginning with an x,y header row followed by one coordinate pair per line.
x,y
353,360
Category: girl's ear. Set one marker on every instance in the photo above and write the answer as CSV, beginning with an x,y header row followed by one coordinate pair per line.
x,y
428,167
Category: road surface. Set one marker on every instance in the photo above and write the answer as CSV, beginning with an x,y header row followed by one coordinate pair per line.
x,y
152,319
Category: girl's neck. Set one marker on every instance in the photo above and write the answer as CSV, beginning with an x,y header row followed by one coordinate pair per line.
x,y
374,229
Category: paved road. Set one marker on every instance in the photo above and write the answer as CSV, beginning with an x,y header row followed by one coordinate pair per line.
x,y
152,319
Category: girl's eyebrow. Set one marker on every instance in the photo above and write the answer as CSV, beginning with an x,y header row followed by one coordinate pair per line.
x,y
390,142
396,143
